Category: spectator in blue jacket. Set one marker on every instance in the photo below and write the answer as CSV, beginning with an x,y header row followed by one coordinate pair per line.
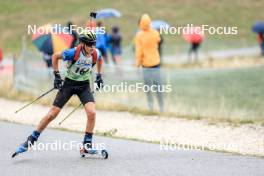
x,y
101,42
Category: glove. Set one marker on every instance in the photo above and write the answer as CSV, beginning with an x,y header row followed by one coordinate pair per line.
x,y
99,81
57,80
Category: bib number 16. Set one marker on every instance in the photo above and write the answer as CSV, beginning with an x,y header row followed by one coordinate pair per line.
x,y
82,71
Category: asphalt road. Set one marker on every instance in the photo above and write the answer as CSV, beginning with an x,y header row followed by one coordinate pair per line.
x,y
125,158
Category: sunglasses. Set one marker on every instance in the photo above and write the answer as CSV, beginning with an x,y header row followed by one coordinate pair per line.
x,y
90,44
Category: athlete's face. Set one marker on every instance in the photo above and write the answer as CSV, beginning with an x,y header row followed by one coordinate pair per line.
x,y
88,48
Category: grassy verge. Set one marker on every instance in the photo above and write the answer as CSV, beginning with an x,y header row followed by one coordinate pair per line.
x,y
223,63
229,96
228,93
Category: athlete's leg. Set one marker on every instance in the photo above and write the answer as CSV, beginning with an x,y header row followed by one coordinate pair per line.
x,y
86,97
90,113
61,99
51,115
88,137
54,111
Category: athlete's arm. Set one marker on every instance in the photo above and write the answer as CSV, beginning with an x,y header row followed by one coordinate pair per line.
x,y
99,62
99,81
99,66
55,61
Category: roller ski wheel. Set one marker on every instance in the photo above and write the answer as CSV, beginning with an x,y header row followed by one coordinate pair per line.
x,y
104,154
90,151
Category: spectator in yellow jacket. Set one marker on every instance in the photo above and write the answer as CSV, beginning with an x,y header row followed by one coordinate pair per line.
x,y
147,42
147,55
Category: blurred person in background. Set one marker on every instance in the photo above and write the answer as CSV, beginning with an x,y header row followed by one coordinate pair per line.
x,y
195,37
160,48
147,55
101,41
73,33
261,42
91,25
47,59
115,42
1,58
193,50
108,44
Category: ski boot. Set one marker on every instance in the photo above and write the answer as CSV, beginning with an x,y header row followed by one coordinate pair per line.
x,y
26,145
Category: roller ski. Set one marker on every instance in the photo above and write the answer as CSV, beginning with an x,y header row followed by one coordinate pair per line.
x,y
88,150
27,144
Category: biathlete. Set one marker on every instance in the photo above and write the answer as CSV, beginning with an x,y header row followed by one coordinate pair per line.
x,y
80,61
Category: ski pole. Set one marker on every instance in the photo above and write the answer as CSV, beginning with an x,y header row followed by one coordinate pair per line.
x,y
34,100
70,113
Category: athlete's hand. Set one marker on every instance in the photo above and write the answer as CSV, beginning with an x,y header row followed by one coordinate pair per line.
x,y
99,81
57,80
